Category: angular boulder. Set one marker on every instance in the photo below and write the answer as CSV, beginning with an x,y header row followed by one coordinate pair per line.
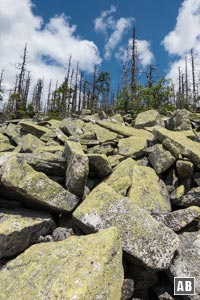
x,y
21,228
147,119
87,267
71,127
35,188
33,128
77,168
30,143
143,238
100,164
145,190
132,146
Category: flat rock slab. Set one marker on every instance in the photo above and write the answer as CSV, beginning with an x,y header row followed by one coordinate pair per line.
x,y
71,127
35,187
104,135
126,130
21,228
147,119
143,238
186,263
30,143
178,219
132,146
145,190
77,168
33,128
87,267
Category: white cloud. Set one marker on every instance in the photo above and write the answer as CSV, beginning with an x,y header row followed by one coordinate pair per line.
x,y
105,21
186,33
122,25
56,40
144,54
184,37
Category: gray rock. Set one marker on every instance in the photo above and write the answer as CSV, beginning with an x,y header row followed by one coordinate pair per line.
x,y
184,169
147,119
160,159
100,164
190,199
180,120
21,228
127,289
77,168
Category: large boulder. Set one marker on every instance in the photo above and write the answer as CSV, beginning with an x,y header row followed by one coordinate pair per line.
x,y
145,190
71,127
33,128
21,228
104,135
161,159
182,143
143,238
100,164
180,120
186,263
87,267
35,188
77,168
147,119
30,143
132,146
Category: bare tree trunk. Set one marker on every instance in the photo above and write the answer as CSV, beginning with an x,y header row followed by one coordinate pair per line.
x,y
193,80
134,65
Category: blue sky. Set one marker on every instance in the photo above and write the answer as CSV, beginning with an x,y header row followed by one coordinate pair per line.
x,y
97,32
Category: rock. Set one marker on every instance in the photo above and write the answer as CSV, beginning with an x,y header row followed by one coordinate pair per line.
x,y
168,144
71,127
184,168
178,219
145,190
126,130
160,159
77,168
35,188
94,270
60,135
115,159
13,132
190,199
132,146
143,238
177,194
147,119
50,149
6,147
186,263
185,146
31,127
104,135
85,112
30,143
127,289
21,228
180,120
117,118
120,179
99,164
61,233
102,115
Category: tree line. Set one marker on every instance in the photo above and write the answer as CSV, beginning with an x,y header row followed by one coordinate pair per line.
x,y
137,90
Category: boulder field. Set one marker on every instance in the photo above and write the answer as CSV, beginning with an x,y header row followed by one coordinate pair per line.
x,y
99,208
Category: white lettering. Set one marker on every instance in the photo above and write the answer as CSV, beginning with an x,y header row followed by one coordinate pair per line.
x,y
180,287
188,286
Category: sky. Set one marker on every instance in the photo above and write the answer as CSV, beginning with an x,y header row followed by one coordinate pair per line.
x,y
96,32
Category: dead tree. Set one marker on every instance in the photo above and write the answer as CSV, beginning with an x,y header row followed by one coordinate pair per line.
x,y
37,95
1,88
149,75
186,80
134,65
193,79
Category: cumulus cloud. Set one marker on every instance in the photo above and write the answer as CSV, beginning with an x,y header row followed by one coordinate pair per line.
x,y
49,45
144,53
184,37
112,29
105,21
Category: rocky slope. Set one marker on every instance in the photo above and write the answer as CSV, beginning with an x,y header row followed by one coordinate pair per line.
x,y
93,207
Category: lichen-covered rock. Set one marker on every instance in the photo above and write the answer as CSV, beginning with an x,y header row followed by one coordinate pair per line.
x,y
143,238
180,120
145,190
77,168
87,267
13,132
100,164
115,159
160,159
189,199
6,147
184,168
71,127
185,145
147,119
105,149
21,228
104,135
178,219
186,263
126,130
120,179
30,143
132,146
33,187
33,128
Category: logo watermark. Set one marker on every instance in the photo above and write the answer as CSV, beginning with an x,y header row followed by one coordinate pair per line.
x,y
184,286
